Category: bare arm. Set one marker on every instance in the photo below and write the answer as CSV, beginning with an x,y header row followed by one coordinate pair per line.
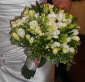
x,y
63,4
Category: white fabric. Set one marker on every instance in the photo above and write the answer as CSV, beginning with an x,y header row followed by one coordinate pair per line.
x,y
13,57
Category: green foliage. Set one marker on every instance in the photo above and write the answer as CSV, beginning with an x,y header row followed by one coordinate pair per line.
x,y
74,20
27,73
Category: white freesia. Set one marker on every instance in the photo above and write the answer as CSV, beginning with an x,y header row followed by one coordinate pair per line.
x,y
61,24
55,44
75,32
61,16
21,32
56,33
52,16
55,37
55,26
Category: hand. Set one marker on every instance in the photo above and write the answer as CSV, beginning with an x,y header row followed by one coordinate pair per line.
x,y
62,4
37,62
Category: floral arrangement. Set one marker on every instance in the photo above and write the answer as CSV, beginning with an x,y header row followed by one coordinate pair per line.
x,y
47,34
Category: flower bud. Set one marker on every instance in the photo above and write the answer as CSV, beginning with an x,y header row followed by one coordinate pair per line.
x,y
28,37
15,36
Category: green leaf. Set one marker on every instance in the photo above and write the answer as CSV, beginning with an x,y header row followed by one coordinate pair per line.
x,y
43,61
74,20
27,73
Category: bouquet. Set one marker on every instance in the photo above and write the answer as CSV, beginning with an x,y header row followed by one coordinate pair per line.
x,y
46,33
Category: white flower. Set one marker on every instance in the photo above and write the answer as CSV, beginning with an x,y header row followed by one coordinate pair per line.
x,y
55,44
75,32
61,16
40,32
28,37
31,40
66,47
33,23
55,33
50,23
64,25
55,37
55,26
59,24
21,32
19,21
13,23
76,38
52,16
47,47
16,36
68,39
37,15
72,50
65,50
55,50
24,19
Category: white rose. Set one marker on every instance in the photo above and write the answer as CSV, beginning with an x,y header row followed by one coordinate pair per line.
x,y
21,32
72,50
55,50
33,23
55,37
65,46
50,23
76,38
19,22
55,44
65,50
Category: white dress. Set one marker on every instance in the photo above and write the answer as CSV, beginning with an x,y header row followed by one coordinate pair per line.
x,y
12,58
